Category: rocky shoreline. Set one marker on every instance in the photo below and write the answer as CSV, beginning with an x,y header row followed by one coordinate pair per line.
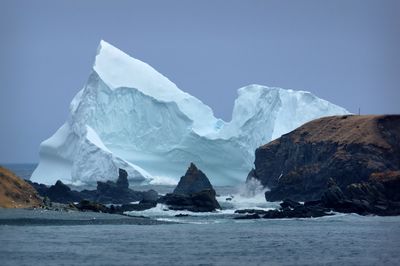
x,y
193,193
347,164
338,164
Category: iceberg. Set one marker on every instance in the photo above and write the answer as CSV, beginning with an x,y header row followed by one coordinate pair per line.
x,y
130,116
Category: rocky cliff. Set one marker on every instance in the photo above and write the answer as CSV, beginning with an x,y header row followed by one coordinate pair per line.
x,y
354,151
15,192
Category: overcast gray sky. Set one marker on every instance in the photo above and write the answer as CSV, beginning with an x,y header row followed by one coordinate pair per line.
x,y
346,52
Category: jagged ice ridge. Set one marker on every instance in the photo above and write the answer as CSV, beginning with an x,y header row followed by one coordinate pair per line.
x,y
130,116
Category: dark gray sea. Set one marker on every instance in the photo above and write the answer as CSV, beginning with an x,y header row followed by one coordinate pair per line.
x,y
342,240
208,239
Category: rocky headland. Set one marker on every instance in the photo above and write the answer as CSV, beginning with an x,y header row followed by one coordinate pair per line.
x,y
342,163
15,192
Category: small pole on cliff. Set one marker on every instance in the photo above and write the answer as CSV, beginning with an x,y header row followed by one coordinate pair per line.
x,y
359,111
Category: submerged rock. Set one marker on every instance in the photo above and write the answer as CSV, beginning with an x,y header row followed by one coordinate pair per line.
x,y
181,215
194,192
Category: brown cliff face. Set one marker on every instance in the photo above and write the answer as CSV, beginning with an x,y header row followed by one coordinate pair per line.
x,y
349,149
15,192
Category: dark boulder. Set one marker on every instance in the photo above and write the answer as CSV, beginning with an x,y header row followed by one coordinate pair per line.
x,y
332,195
250,211
299,212
181,215
248,216
194,192
203,201
86,205
288,203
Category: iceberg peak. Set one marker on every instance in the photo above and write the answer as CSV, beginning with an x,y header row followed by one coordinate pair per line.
x,y
130,116
119,70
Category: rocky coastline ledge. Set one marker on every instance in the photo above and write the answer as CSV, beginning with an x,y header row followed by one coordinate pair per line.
x,y
348,164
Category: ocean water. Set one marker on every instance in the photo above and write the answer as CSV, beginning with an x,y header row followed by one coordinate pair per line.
x,y
209,238
339,240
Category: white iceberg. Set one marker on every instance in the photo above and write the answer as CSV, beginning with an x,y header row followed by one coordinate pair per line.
x,y
130,116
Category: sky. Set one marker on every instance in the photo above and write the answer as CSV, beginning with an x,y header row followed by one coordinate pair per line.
x,y
344,51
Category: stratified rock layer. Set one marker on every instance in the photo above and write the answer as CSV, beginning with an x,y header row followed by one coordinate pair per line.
x,y
352,150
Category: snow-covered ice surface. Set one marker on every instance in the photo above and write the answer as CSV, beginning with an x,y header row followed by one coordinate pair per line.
x,y
130,116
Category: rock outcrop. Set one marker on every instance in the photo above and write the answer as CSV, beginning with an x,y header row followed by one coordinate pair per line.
x,y
363,199
288,209
361,154
194,192
86,205
117,192
15,192
59,192
106,193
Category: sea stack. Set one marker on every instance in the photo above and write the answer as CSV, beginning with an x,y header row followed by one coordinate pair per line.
x,y
194,192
